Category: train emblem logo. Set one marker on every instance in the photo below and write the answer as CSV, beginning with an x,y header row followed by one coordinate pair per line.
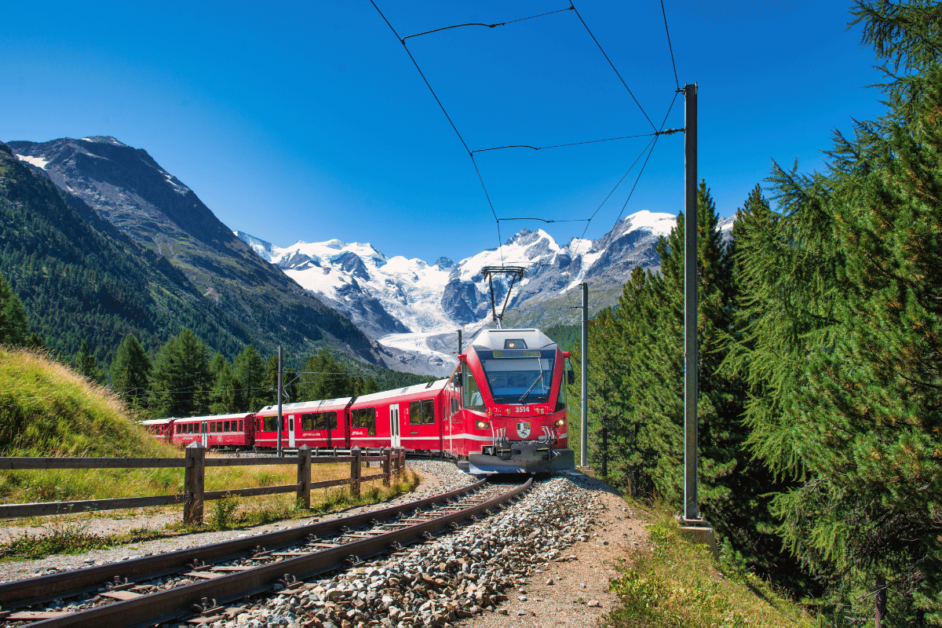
x,y
523,429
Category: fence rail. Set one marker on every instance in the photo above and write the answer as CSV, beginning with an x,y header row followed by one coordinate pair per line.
x,y
194,481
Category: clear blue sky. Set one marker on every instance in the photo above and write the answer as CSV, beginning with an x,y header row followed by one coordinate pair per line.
x,y
308,120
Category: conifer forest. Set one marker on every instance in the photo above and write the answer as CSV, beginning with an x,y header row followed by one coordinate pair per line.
x,y
820,373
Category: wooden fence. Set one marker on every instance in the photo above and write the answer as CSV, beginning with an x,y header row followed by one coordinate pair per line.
x,y
194,494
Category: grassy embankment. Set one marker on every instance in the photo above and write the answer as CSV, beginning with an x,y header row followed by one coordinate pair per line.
x,y
46,409
680,584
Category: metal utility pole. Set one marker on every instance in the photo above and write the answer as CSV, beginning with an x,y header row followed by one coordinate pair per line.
x,y
584,398
280,418
691,506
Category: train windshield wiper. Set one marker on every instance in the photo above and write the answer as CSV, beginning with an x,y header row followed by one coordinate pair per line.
x,y
538,379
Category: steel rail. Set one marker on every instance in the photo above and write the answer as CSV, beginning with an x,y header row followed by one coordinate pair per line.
x,y
174,603
54,586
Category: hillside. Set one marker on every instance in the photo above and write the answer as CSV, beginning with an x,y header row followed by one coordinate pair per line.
x,y
122,191
46,409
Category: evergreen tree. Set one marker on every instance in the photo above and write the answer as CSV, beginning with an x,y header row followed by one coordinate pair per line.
x,y
130,371
13,323
249,370
180,383
842,343
86,364
325,378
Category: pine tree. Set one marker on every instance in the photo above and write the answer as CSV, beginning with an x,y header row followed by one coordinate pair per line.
x,y
130,371
325,378
13,323
842,342
180,382
250,371
86,364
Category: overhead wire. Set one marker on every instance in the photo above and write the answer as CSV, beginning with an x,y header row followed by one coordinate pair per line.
x,y
496,24
649,148
617,73
609,139
669,46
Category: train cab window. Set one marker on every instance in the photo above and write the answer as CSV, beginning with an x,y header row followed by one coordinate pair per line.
x,y
271,424
561,398
472,394
365,418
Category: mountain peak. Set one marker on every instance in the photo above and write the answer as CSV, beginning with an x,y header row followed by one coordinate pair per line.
x,y
104,139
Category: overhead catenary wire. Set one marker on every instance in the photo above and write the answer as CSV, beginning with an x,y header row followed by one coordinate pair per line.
x,y
451,122
617,73
669,46
496,24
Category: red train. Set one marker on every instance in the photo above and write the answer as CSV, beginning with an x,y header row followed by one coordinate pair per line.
x,y
503,410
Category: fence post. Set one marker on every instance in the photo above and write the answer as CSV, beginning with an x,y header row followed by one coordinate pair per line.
x,y
304,476
355,472
194,481
387,459
402,462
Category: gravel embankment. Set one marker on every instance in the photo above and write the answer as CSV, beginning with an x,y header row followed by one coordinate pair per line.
x,y
482,569
545,560
437,477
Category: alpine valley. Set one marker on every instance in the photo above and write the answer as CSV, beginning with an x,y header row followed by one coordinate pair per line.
x,y
413,308
180,266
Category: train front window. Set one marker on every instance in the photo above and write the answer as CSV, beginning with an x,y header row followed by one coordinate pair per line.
x,y
519,377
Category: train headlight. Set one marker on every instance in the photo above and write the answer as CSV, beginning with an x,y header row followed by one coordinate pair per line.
x,y
560,422
481,425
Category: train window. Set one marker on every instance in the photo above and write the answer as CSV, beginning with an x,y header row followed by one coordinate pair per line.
x,y
472,394
365,418
561,398
307,422
422,412
271,424
240,426
327,421
415,413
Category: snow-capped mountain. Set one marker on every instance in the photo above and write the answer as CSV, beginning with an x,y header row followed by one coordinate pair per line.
x,y
412,307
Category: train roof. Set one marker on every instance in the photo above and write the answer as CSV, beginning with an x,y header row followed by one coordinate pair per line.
x,y
214,417
497,339
308,405
402,392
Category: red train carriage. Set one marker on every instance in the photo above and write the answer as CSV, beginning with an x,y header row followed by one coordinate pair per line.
x,y
409,417
506,404
159,428
222,430
312,423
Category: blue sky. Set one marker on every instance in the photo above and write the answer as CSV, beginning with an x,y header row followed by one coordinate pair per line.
x,y
309,121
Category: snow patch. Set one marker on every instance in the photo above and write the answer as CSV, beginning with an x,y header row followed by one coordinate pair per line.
x,y
39,162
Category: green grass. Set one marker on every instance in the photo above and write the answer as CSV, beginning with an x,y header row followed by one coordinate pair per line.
x,y
48,410
70,534
680,584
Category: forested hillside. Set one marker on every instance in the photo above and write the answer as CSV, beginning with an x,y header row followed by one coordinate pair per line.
x,y
820,331
80,279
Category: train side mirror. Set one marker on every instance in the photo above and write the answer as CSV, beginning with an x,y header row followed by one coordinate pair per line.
x,y
572,377
456,380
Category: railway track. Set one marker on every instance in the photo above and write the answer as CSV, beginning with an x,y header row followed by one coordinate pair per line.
x,y
220,574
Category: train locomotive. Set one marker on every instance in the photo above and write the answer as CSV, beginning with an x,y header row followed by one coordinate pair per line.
x,y
503,410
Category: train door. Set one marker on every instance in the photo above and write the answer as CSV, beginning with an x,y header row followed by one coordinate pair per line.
x,y
204,434
290,430
394,439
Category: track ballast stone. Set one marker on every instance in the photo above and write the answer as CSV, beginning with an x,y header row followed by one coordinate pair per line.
x,y
440,582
